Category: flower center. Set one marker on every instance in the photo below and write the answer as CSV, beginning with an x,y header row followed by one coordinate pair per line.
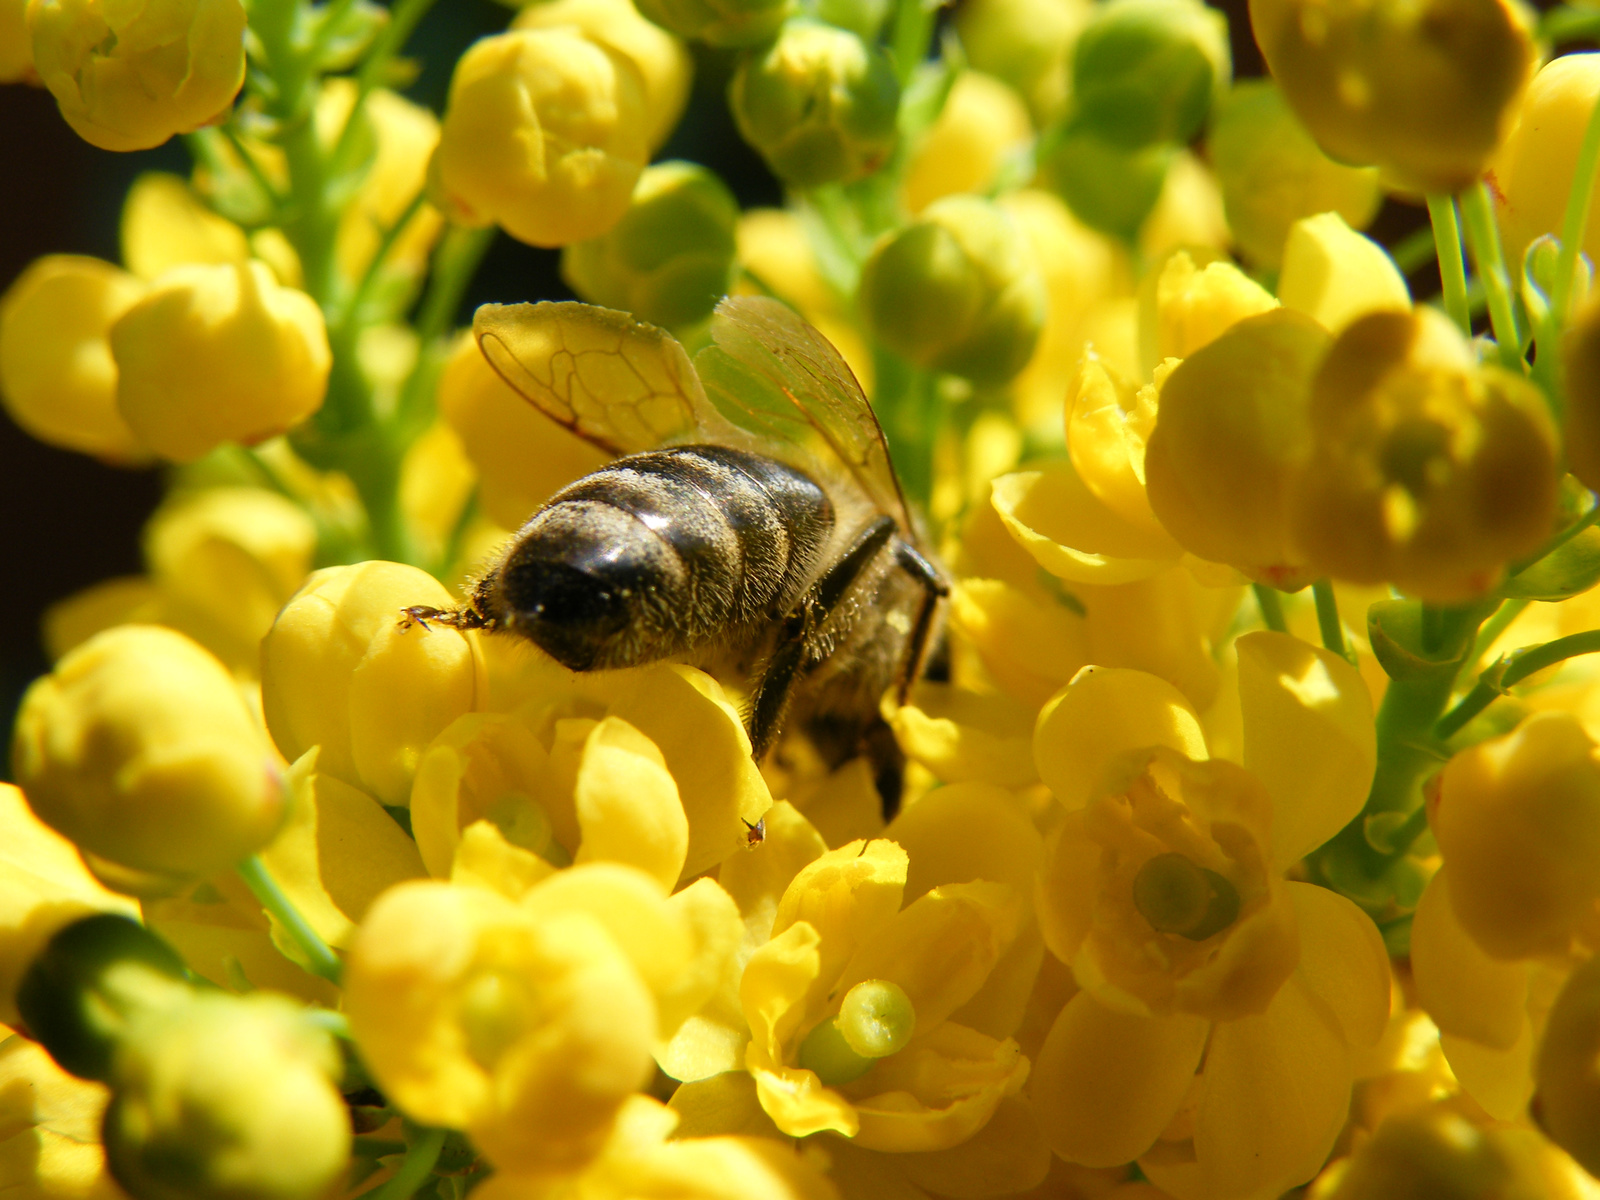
x,y
1177,896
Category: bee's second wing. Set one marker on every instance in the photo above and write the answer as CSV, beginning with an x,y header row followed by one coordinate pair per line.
x,y
616,382
773,375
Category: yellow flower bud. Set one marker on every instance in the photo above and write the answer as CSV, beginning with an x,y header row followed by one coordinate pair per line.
x,y
983,120
719,22
226,560
1147,71
956,290
338,671
1192,303
227,1098
164,225
819,104
1581,357
521,455
662,61
1230,437
1567,1105
1518,823
1334,274
1532,173
50,1127
140,749
128,78
57,377
43,886
1272,173
545,135
1377,81
16,47
1426,471
671,257
215,354
1027,43
529,1030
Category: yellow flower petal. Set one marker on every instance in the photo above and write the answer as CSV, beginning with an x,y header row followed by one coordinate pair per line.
x,y
1103,712
956,1077
627,803
964,832
165,225
1031,647
1500,1080
313,857
1334,274
1308,736
1343,961
49,1128
967,736
1009,1154
1071,533
1466,992
1107,1083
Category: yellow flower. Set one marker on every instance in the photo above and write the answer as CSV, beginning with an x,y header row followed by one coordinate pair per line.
x,y
819,104
1425,470
956,290
1581,358
671,257
49,1128
57,377
1273,174
256,1072
528,1029
164,225
1162,890
1334,274
338,671
1377,82
982,121
544,135
140,748
43,886
1567,1107
1532,173
663,62
16,47
214,354
839,925
130,78
1229,441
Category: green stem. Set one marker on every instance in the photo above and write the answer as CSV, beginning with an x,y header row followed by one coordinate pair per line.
x,y
352,307
908,43
1404,835
1510,671
1560,539
1452,271
1576,219
403,18
1328,619
454,264
252,166
1495,626
418,1165
1477,215
1271,605
1414,251
265,888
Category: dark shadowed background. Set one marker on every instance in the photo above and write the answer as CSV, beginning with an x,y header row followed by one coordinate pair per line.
x,y
67,521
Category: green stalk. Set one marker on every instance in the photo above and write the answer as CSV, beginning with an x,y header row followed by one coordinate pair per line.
x,y
265,888
1414,251
908,43
1270,602
1452,272
1328,622
1576,219
1495,626
403,18
1477,215
414,1171
1510,671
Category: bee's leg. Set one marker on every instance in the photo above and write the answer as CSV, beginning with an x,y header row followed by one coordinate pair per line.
x,y
451,618
934,589
782,670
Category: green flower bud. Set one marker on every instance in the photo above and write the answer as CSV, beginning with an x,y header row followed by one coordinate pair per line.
x,y
819,104
956,290
1424,90
670,259
1147,71
1027,43
95,977
864,18
1108,188
718,22
227,1098
1273,174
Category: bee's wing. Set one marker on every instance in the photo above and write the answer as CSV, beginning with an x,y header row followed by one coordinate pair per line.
x,y
616,382
772,375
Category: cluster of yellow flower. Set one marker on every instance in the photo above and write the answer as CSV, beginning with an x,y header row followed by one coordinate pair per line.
x,y
1165,882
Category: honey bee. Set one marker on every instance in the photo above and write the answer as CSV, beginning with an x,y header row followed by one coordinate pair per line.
x,y
752,520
